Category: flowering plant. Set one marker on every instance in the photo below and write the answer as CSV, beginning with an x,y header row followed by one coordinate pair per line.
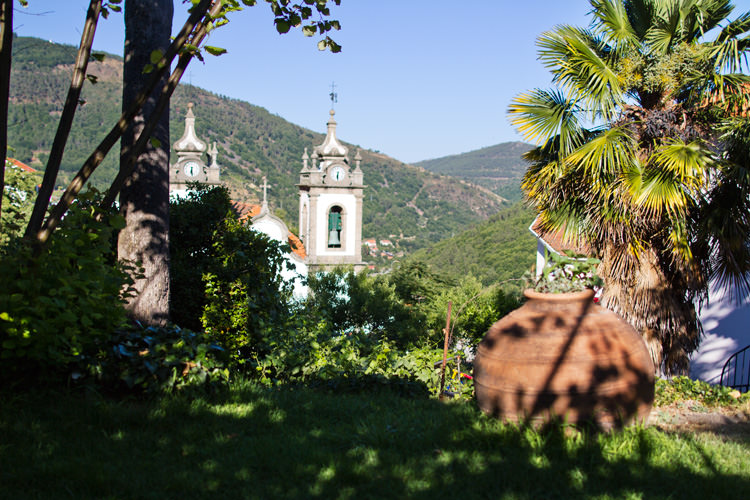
x,y
564,274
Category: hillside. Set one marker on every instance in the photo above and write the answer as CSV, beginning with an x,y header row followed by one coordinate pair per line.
x,y
498,168
498,249
407,204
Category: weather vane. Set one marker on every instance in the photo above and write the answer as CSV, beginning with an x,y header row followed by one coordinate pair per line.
x,y
333,95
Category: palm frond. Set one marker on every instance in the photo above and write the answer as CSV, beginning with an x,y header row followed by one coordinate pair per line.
x,y
605,154
729,51
664,33
611,20
704,16
672,181
583,64
541,114
641,15
734,29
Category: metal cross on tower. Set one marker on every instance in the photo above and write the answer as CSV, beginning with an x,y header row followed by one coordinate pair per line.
x,y
333,95
264,203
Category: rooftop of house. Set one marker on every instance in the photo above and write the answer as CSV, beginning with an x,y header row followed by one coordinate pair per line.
x,y
556,241
21,165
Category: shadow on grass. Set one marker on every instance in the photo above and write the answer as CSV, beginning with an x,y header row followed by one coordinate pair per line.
x,y
299,443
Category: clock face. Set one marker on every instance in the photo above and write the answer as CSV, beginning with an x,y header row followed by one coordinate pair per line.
x,y
338,173
192,169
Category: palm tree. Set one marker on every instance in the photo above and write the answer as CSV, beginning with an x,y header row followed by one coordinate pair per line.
x,y
645,156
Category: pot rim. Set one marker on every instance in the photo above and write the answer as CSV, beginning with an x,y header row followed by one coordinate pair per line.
x,y
587,294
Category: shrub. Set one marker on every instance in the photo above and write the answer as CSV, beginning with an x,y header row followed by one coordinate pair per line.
x,y
358,302
246,298
152,360
18,201
682,388
57,304
313,355
193,224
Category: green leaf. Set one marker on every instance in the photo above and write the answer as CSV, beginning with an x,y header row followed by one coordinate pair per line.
x,y
156,143
282,26
156,56
215,51
116,221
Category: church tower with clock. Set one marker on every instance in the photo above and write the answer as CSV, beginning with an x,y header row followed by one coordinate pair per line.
x,y
190,166
330,205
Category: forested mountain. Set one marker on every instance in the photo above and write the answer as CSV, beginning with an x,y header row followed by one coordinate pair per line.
x,y
498,168
416,206
499,249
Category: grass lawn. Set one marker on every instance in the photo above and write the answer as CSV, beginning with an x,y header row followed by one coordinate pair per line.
x,y
253,442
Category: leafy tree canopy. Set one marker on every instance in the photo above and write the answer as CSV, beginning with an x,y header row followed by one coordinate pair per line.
x,y
643,156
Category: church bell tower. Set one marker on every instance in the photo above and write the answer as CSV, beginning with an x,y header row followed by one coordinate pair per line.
x,y
330,205
190,166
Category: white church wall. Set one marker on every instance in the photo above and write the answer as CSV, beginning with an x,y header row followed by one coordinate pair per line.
x,y
294,270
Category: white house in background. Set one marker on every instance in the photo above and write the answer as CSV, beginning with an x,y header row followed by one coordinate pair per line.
x,y
726,322
726,327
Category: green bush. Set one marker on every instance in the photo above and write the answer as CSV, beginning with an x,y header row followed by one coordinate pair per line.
x,y
314,355
193,225
152,360
57,304
682,388
18,201
352,302
475,308
246,299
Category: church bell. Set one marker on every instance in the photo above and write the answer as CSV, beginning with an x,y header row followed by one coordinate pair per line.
x,y
333,238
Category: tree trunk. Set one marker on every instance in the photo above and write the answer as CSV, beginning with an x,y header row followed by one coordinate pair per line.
x,y
6,45
144,200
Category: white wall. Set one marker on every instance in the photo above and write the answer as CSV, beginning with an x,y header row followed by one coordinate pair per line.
x,y
726,326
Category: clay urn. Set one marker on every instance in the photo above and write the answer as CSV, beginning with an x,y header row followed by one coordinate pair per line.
x,y
563,356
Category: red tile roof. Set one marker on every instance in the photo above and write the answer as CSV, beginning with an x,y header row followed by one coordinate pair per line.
x,y
556,240
20,165
246,211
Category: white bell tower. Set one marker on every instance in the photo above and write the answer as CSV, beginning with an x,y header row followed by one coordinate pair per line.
x,y
330,205
190,166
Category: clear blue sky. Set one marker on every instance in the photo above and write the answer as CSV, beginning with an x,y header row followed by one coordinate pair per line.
x,y
416,79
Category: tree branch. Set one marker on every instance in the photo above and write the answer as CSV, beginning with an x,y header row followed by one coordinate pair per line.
x,y
94,160
66,120
161,105
6,47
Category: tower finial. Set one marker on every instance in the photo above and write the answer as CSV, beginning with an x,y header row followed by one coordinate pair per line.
x,y
333,95
264,204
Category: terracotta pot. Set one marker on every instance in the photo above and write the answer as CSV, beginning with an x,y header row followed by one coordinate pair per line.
x,y
564,356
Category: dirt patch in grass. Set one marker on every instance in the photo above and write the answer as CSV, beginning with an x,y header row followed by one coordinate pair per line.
x,y
692,416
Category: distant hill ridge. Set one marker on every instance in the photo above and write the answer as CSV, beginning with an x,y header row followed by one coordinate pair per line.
x,y
494,251
498,168
410,205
